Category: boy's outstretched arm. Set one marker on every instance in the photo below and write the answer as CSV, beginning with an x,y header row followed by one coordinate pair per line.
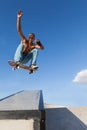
x,y
19,15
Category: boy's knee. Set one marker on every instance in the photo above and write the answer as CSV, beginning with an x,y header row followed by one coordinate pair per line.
x,y
35,50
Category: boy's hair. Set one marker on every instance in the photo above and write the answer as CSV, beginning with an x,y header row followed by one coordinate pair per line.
x,y
32,34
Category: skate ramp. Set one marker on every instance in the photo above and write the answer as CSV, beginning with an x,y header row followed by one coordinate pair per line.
x,y
24,100
22,111
64,119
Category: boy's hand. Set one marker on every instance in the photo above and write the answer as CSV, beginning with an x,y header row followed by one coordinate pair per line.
x,y
39,44
19,15
37,40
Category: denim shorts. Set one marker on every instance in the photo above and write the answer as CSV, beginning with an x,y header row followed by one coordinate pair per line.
x,y
24,58
19,56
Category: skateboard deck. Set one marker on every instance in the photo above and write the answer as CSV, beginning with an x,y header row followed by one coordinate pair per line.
x,y
16,65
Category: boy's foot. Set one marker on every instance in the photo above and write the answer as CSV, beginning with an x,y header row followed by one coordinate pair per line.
x,y
33,68
16,66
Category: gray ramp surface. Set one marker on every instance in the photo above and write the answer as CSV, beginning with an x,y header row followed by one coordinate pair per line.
x,y
24,100
63,119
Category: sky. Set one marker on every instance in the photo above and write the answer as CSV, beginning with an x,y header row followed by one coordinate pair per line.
x,y
61,26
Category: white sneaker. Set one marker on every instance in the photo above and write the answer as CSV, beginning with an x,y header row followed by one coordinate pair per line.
x,y
16,67
34,67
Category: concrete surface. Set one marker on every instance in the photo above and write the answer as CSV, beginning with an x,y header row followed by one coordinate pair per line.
x,y
24,100
16,124
57,117
66,118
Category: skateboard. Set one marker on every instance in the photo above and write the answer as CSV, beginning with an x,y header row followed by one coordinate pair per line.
x,y
16,65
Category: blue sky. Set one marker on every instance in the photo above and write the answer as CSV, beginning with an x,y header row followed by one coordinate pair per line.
x,y
61,25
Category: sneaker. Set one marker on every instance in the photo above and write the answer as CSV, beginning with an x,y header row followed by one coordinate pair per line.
x,y
33,67
16,67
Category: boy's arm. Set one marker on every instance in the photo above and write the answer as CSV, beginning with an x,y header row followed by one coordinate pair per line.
x,y
19,26
39,45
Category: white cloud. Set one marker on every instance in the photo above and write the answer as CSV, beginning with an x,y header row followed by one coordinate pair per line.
x,y
81,77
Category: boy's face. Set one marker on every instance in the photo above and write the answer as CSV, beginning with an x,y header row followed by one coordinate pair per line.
x,y
31,37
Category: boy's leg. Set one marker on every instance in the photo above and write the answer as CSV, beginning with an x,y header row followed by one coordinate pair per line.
x,y
34,53
19,56
31,56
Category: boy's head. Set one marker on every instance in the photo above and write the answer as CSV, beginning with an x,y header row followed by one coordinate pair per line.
x,y
31,37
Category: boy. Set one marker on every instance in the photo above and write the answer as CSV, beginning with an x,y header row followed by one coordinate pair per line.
x,y
26,50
